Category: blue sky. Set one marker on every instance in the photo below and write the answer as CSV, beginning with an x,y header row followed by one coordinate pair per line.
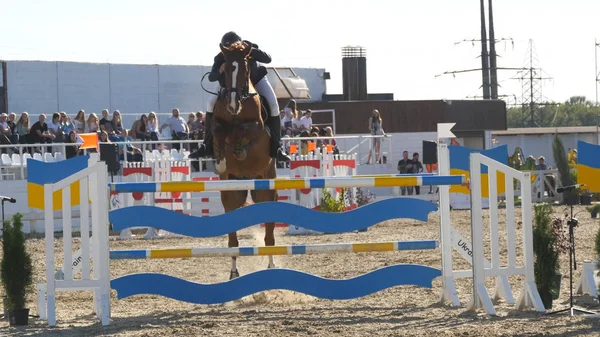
x,y
408,42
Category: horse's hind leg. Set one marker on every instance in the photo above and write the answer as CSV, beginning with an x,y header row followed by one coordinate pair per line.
x,y
262,196
231,201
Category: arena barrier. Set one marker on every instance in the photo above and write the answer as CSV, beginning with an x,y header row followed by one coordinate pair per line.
x,y
357,219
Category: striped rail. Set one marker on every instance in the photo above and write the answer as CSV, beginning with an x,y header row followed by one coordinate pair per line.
x,y
286,184
274,250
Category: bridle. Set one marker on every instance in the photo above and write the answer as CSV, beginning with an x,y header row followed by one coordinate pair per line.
x,y
242,93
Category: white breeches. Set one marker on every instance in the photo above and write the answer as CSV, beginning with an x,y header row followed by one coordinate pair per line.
x,y
210,105
263,87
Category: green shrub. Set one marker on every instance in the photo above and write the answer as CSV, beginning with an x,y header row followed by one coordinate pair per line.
x,y
546,254
16,269
329,204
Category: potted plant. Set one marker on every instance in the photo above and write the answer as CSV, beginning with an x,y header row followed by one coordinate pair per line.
x,y
586,197
597,251
330,204
546,255
568,177
561,245
594,211
363,196
16,270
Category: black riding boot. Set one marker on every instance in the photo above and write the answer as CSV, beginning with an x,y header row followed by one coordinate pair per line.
x,y
206,148
275,151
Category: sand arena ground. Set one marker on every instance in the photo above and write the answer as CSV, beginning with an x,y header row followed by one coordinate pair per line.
x,y
399,311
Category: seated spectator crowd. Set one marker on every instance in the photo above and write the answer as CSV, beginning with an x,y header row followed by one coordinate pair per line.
x,y
61,129
294,125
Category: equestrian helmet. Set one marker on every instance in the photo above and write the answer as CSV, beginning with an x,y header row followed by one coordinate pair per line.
x,y
230,38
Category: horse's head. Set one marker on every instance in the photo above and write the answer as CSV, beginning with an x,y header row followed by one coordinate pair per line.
x,y
237,75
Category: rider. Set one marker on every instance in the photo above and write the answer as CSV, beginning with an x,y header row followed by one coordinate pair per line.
x,y
258,76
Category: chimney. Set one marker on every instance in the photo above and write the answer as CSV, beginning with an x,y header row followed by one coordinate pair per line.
x,y
354,71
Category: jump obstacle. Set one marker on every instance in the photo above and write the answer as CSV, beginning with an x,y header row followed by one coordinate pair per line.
x,y
209,203
94,176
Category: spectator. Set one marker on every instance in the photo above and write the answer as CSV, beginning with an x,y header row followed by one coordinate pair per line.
x,y
140,128
376,129
283,120
416,169
153,127
72,150
105,123
92,124
405,166
133,153
79,122
23,128
65,122
178,126
328,132
55,128
290,114
103,138
38,134
304,143
305,122
193,123
5,132
117,122
13,128
541,164
200,119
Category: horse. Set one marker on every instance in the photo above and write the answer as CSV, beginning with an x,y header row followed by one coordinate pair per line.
x,y
241,142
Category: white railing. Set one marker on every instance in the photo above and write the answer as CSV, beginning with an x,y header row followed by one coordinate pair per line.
x,y
17,162
355,149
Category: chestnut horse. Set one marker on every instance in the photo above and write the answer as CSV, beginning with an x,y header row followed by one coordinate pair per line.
x,y
241,142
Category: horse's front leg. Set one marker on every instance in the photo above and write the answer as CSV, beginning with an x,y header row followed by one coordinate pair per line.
x,y
231,201
270,240
262,196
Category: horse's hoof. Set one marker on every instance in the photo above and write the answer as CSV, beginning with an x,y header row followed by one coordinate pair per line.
x,y
234,274
271,266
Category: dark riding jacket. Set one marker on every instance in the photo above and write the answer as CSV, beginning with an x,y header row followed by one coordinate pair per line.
x,y
257,72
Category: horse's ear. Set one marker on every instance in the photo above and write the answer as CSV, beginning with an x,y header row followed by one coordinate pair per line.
x,y
248,49
223,49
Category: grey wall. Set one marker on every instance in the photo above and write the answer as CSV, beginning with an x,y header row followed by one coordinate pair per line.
x,y
46,87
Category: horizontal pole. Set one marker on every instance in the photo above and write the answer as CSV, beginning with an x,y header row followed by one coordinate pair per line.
x,y
286,184
273,250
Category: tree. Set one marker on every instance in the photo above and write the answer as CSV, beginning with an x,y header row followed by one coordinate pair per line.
x,y
576,111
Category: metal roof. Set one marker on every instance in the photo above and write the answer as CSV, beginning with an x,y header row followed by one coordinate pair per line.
x,y
541,131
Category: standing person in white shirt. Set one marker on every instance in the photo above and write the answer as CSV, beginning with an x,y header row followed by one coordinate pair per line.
x,y
153,127
305,122
179,127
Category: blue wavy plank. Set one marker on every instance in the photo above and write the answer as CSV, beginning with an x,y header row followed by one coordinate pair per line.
x,y
271,279
360,218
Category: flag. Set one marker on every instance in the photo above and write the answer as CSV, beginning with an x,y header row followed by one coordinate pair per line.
x,y
88,140
588,166
460,164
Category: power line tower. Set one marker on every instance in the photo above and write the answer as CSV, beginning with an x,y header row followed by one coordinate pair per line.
x,y
531,78
489,66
